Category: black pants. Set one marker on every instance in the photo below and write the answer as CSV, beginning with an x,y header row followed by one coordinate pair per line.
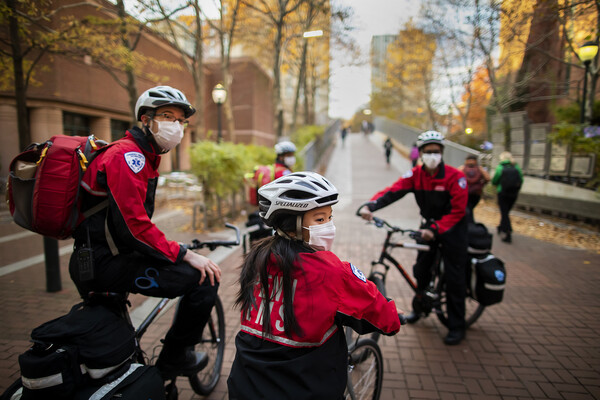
x,y
453,247
471,203
121,273
506,203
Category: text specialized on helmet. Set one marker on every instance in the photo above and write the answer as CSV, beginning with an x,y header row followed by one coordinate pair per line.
x,y
290,204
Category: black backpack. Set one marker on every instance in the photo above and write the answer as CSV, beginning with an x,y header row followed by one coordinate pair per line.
x,y
510,180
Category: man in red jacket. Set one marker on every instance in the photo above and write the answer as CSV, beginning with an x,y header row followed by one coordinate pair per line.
x,y
125,243
441,193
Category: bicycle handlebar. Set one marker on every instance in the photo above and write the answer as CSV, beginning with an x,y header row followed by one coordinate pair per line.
x,y
213,244
381,223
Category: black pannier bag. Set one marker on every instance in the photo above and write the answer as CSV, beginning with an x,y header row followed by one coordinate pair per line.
x,y
480,240
50,372
487,280
86,344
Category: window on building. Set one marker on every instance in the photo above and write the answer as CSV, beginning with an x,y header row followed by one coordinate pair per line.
x,y
117,129
76,124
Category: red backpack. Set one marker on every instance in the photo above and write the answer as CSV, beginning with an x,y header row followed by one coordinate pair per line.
x,y
44,183
261,175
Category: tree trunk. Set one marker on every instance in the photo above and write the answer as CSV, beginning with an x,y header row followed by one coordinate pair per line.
x,y
198,76
129,72
277,103
19,76
300,84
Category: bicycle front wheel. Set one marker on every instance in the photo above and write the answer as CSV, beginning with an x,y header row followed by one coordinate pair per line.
x,y
365,371
213,344
473,309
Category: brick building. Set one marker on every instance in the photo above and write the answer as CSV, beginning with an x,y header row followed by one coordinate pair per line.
x,y
78,97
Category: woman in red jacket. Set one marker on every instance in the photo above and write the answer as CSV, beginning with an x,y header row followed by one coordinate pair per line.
x,y
295,296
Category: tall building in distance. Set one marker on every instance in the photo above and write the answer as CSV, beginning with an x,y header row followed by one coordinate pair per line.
x,y
379,56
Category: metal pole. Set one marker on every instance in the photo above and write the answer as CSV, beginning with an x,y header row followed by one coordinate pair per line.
x,y
53,283
220,135
587,66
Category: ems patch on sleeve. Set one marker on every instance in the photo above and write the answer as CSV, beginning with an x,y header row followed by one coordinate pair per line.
x,y
408,174
135,160
358,273
462,182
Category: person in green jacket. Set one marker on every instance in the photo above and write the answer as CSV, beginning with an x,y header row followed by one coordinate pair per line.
x,y
508,179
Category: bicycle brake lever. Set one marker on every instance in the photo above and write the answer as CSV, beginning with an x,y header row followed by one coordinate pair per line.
x,y
378,222
403,320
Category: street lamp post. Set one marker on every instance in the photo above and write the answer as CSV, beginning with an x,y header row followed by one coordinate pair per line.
x,y
219,95
587,52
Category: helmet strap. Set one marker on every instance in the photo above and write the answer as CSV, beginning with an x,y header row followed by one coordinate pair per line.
x,y
283,234
299,227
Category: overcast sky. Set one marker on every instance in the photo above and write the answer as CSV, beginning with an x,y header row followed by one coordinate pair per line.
x,y
351,86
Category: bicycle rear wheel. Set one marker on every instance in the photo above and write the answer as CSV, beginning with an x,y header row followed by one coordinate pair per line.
x,y
473,309
213,344
365,371
14,391
351,335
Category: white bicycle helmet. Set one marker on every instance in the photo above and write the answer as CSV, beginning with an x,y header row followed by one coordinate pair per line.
x,y
295,193
430,137
285,147
161,96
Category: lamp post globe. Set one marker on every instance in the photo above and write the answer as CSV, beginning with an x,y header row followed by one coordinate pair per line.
x,y
219,95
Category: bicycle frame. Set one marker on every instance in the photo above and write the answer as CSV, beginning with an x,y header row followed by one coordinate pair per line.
x,y
385,254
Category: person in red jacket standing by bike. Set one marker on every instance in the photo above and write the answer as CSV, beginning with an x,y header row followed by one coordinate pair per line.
x,y
441,193
130,253
295,295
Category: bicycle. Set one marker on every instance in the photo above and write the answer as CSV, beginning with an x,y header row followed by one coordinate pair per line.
x,y
212,342
434,297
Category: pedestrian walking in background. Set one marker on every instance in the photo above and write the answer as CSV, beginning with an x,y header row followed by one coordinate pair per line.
x,y
414,154
388,150
508,178
344,133
477,178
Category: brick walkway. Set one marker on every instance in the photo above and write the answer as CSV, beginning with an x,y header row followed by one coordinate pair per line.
x,y
541,342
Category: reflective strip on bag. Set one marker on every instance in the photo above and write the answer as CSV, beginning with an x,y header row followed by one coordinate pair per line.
x,y
100,393
47,381
42,383
491,286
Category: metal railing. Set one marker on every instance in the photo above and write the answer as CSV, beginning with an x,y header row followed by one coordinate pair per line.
x,y
454,153
314,151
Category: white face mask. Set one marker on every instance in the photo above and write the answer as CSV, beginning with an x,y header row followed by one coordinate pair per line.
x,y
168,135
289,161
431,161
321,236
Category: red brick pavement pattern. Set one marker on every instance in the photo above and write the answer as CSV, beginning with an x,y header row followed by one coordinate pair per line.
x,y
541,342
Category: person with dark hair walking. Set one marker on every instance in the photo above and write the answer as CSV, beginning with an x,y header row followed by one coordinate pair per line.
x,y
388,150
477,178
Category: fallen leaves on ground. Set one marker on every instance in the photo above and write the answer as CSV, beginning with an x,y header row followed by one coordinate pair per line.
x,y
549,229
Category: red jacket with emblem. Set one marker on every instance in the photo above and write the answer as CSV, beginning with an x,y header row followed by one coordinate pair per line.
x,y
328,293
127,174
441,197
